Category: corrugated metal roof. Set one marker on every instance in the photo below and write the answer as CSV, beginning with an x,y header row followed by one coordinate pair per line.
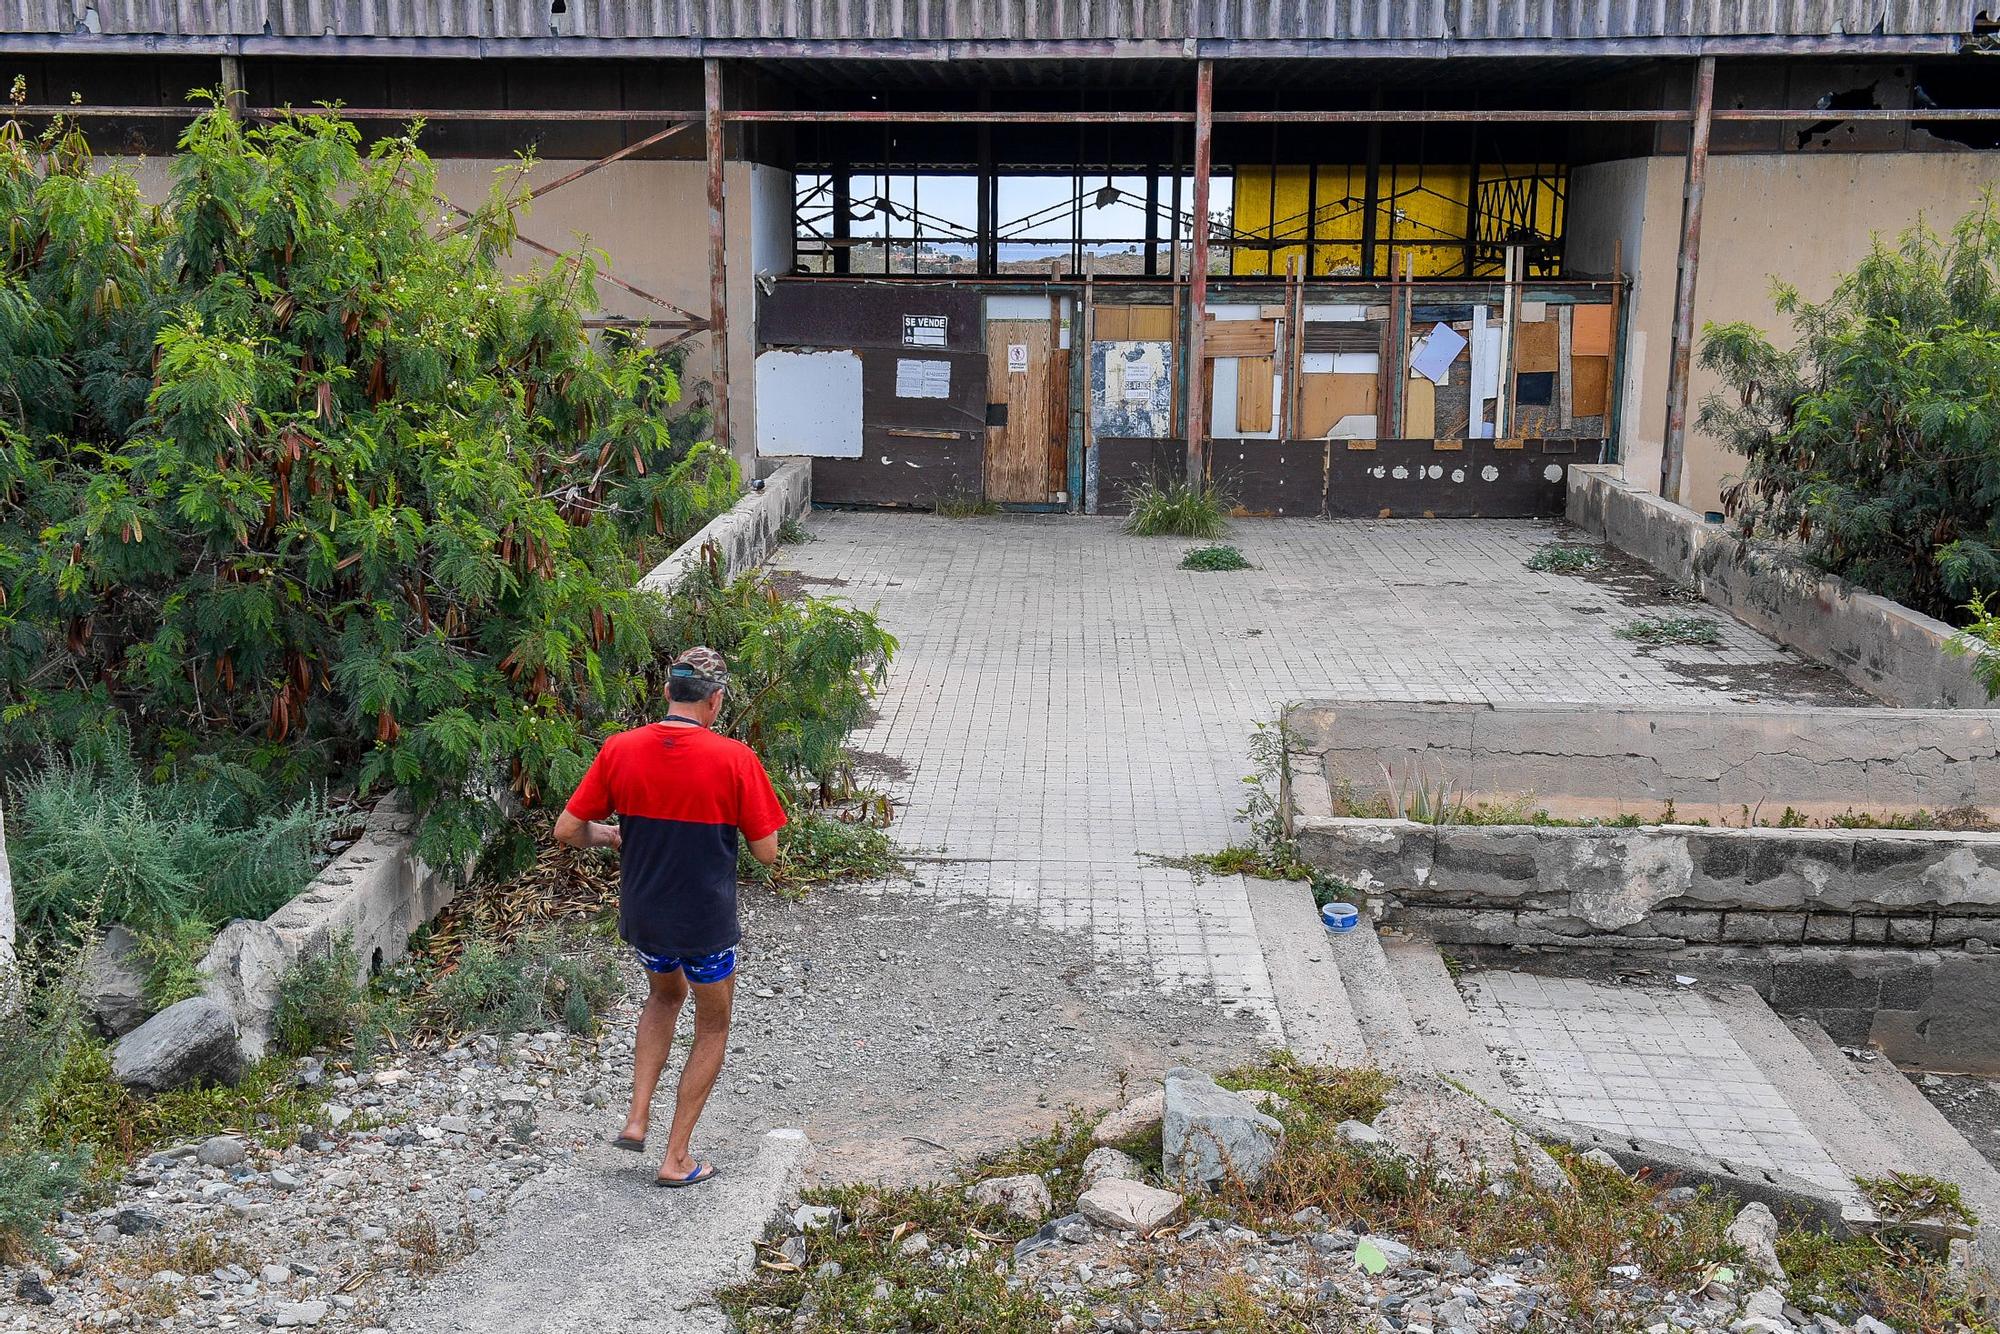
x,y
1147,26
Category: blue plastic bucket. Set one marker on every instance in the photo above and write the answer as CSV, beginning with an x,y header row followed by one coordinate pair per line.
x,y
1339,918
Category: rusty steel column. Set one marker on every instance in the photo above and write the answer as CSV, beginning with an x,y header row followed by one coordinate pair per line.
x,y
1674,453
718,233
1197,394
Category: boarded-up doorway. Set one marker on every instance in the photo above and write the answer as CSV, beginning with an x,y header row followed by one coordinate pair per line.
x,y
1026,417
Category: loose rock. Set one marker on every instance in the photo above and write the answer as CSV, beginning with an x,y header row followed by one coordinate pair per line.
x,y
1024,1197
1755,1229
1109,1164
1141,1116
1129,1206
114,984
1209,1134
186,1043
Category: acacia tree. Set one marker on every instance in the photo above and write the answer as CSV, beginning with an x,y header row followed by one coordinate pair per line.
x,y
292,473
1874,441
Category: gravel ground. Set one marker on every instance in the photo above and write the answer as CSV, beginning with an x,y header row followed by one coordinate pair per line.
x,y
900,1034
1972,1104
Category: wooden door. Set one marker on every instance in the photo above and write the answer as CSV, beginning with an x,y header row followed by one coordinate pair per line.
x,y
1023,399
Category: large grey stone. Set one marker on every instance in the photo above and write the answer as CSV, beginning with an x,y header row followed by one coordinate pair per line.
x,y
1109,1164
1755,1231
1129,1206
1209,1134
114,984
1140,1116
1461,1137
1025,1197
242,972
188,1043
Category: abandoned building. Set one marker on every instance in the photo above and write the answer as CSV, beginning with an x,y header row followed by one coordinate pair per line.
x,y
1347,259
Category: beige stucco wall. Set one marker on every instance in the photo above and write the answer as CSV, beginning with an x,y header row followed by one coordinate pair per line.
x,y
651,221
1803,217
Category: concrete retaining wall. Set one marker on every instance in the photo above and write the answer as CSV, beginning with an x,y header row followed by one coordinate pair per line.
x,y
745,533
1884,647
1717,764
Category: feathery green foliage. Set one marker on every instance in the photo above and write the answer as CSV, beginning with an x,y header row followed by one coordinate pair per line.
x,y
291,472
1874,442
38,1021
1175,508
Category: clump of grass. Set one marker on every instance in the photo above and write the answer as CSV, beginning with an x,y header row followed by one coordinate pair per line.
x,y
1215,558
1566,558
1895,1279
963,505
792,533
1177,509
817,847
1912,1195
1655,630
532,982
318,1002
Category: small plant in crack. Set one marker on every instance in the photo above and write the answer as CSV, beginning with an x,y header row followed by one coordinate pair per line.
x,y
1657,630
1566,558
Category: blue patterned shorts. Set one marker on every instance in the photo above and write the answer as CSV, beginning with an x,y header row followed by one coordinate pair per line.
x,y
702,968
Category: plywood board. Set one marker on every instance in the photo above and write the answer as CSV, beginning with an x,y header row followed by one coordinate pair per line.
x,y
1419,409
813,404
1253,394
1325,399
1590,332
1240,338
1535,347
1017,453
1588,385
1136,323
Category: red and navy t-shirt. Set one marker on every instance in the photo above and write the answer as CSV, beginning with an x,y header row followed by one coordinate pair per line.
x,y
681,792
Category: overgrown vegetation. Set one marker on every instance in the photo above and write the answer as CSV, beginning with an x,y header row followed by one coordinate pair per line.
x,y
1871,442
295,479
1171,507
1271,853
1606,1219
1892,1278
1659,630
1215,558
1566,558
37,1020
1980,641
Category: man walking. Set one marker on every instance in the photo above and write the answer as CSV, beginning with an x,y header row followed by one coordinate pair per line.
x,y
681,793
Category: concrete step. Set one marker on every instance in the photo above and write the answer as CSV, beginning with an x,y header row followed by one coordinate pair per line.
x,y
1451,1040
1907,1134
1313,1005
593,1245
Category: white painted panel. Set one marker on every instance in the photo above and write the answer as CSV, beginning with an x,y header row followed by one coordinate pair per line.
x,y
1358,427
809,403
1316,363
1357,363
1235,312
1325,314
1016,306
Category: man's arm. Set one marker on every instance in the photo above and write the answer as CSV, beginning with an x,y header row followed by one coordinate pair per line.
x,y
575,833
765,849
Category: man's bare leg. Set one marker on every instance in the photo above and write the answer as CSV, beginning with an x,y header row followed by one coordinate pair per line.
x,y
664,994
712,1004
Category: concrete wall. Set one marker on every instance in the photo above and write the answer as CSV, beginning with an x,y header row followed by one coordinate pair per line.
x,y
651,220
745,533
1896,654
1723,765
1804,217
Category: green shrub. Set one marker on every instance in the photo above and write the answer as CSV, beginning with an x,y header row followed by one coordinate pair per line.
x,y
291,477
792,533
1980,641
1215,558
802,670
318,1001
38,1020
1565,558
533,982
816,848
35,1183
1871,442
91,839
1177,509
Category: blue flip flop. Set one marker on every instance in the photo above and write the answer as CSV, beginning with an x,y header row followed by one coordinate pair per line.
x,y
701,1173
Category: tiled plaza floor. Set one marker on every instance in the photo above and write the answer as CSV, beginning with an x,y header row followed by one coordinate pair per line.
x,y
1659,1065
1067,702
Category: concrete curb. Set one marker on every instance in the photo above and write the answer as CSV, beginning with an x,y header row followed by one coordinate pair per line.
x,y
1884,647
745,533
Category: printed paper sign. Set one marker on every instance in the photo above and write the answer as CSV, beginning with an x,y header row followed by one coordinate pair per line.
x,y
1138,382
924,330
1017,358
922,379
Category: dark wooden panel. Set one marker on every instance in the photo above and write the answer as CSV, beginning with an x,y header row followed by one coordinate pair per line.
x,y
808,314
1348,336
901,470
1124,463
963,410
1483,479
1275,477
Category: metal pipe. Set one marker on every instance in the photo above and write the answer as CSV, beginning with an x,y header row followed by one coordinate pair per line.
x,y
1671,454
718,285
1197,413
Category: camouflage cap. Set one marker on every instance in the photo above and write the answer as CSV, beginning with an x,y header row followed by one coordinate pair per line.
x,y
700,663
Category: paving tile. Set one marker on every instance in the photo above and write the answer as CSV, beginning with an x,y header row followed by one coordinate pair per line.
x,y
1066,700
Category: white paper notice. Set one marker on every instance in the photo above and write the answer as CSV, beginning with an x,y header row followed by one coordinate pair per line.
x,y
1138,382
1017,358
925,330
1433,356
922,379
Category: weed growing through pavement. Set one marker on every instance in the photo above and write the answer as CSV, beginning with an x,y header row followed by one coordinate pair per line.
x,y
1566,558
792,533
963,505
1177,509
1658,630
1216,558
